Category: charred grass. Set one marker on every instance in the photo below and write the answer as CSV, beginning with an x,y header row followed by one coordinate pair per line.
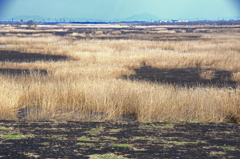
x,y
47,139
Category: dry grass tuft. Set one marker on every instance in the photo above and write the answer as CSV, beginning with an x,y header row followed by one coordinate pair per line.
x,y
236,76
207,74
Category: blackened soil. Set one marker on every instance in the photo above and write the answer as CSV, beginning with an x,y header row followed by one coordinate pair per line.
x,y
49,139
16,56
141,36
22,72
189,77
59,33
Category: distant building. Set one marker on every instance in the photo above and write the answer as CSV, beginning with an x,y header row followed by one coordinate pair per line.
x,y
174,21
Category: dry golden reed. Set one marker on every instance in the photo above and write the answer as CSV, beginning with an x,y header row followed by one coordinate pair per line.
x,y
207,74
91,82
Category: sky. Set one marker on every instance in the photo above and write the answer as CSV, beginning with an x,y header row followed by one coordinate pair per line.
x,y
117,9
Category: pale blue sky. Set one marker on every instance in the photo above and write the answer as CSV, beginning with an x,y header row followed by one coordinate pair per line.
x,y
117,9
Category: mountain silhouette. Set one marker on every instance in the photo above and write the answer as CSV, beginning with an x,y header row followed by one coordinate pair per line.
x,y
143,17
137,17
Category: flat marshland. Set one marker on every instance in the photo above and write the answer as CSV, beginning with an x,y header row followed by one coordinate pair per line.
x,y
66,74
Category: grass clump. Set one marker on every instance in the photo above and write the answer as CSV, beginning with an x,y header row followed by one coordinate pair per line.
x,y
139,138
5,128
143,138
110,138
84,144
166,145
106,156
228,147
114,130
182,142
59,137
168,126
45,143
216,153
178,142
84,139
121,145
15,136
95,131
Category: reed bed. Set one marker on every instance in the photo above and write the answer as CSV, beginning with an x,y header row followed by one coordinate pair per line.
x,y
91,80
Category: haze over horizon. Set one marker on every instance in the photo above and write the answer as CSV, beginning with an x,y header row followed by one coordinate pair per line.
x,y
120,9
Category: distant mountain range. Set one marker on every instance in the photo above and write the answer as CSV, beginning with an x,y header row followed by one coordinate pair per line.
x,y
138,17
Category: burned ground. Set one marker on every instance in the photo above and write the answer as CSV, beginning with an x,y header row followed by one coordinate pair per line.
x,y
19,57
189,77
22,72
16,56
51,139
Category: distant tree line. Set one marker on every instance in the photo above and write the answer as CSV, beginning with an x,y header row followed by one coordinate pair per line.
x,y
31,24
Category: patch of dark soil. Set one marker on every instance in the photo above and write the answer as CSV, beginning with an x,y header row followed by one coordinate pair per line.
x,y
58,33
186,28
22,72
160,37
189,77
26,112
16,56
62,33
72,139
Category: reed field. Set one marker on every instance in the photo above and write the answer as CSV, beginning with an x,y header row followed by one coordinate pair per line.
x,y
90,79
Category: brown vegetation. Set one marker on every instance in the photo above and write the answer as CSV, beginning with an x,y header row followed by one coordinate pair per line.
x,y
90,78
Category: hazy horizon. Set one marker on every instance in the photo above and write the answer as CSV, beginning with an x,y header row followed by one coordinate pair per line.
x,y
121,9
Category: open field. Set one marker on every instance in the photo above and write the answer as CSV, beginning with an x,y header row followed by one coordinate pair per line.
x,y
188,79
104,92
